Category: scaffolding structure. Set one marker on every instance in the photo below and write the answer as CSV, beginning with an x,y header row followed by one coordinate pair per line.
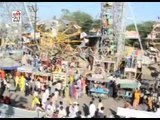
x,y
119,28
114,18
107,28
113,28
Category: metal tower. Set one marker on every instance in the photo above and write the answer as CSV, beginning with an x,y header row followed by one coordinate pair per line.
x,y
119,28
115,17
113,28
107,28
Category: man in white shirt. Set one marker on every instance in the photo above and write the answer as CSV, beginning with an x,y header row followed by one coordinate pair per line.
x,y
92,109
59,87
76,107
62,112
46,91
56,93
100,104
72,113
44,99
50,109
38,84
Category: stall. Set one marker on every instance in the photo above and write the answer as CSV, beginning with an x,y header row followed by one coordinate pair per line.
x,y
126,87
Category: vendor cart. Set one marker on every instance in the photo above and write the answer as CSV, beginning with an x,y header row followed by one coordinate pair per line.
x,y
126,90
99,92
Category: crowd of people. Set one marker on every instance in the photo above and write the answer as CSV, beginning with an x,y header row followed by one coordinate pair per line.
x,y
47,91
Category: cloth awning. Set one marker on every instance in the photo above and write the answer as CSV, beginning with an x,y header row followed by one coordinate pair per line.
x,y
8,64
26,69
39,73
129,85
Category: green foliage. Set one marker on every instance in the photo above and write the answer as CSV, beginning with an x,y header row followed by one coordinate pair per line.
x,y
144,28
97,23
81,18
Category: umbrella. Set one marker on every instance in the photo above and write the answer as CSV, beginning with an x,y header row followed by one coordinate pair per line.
x,y
8,64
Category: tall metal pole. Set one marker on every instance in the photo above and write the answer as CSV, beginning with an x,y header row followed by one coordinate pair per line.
x,y
134,20
35,9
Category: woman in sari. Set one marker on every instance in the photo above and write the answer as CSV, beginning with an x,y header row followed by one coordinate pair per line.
x,y
22,83
137,96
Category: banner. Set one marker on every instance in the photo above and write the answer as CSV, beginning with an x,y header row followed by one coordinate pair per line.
x,y
59,76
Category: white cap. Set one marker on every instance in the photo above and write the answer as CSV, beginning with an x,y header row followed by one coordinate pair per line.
x,y
75,102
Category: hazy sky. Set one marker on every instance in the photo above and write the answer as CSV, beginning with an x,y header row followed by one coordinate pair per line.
x,y
143,11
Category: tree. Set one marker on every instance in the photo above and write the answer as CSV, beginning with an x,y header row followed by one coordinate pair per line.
x,y
97,23
81,18
144,28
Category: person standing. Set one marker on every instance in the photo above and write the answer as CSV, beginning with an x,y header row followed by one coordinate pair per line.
x,y
22,83
62,112
137,96
2,89
101,113
92,109
56,95
35,101
115,89
17,81
79,85
139,69
59,87
150,103
76,107
71,111
44,99
33,85
100,104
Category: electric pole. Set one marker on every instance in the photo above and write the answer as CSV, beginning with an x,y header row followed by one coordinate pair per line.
x,y
34,9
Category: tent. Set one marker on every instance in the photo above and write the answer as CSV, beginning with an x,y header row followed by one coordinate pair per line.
x,y
26,69
8,64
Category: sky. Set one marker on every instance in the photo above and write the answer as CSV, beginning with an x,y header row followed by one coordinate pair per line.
x,y
143,11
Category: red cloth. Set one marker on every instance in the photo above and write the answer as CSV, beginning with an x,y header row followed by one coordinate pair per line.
x,y
3,74
7,100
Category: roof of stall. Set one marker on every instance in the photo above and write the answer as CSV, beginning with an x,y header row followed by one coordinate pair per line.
x,y
8,64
